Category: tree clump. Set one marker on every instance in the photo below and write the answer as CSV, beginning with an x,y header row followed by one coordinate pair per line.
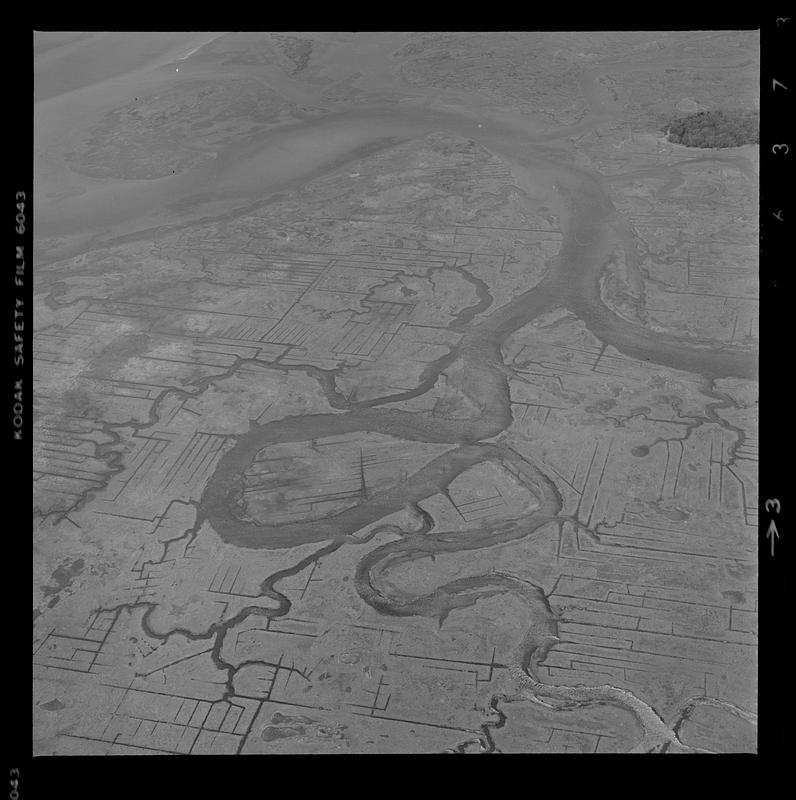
x,y
716,129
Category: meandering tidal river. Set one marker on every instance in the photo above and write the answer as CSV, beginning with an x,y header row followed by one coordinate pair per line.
x,y
285,158
591,231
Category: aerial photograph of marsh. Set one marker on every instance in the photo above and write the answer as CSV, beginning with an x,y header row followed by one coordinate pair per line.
x,y
395,392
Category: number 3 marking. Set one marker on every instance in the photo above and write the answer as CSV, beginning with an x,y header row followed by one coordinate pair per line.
x,y
777,147
769,504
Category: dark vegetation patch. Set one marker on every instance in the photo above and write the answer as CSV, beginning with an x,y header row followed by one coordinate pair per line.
x,y
716,129
63,576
